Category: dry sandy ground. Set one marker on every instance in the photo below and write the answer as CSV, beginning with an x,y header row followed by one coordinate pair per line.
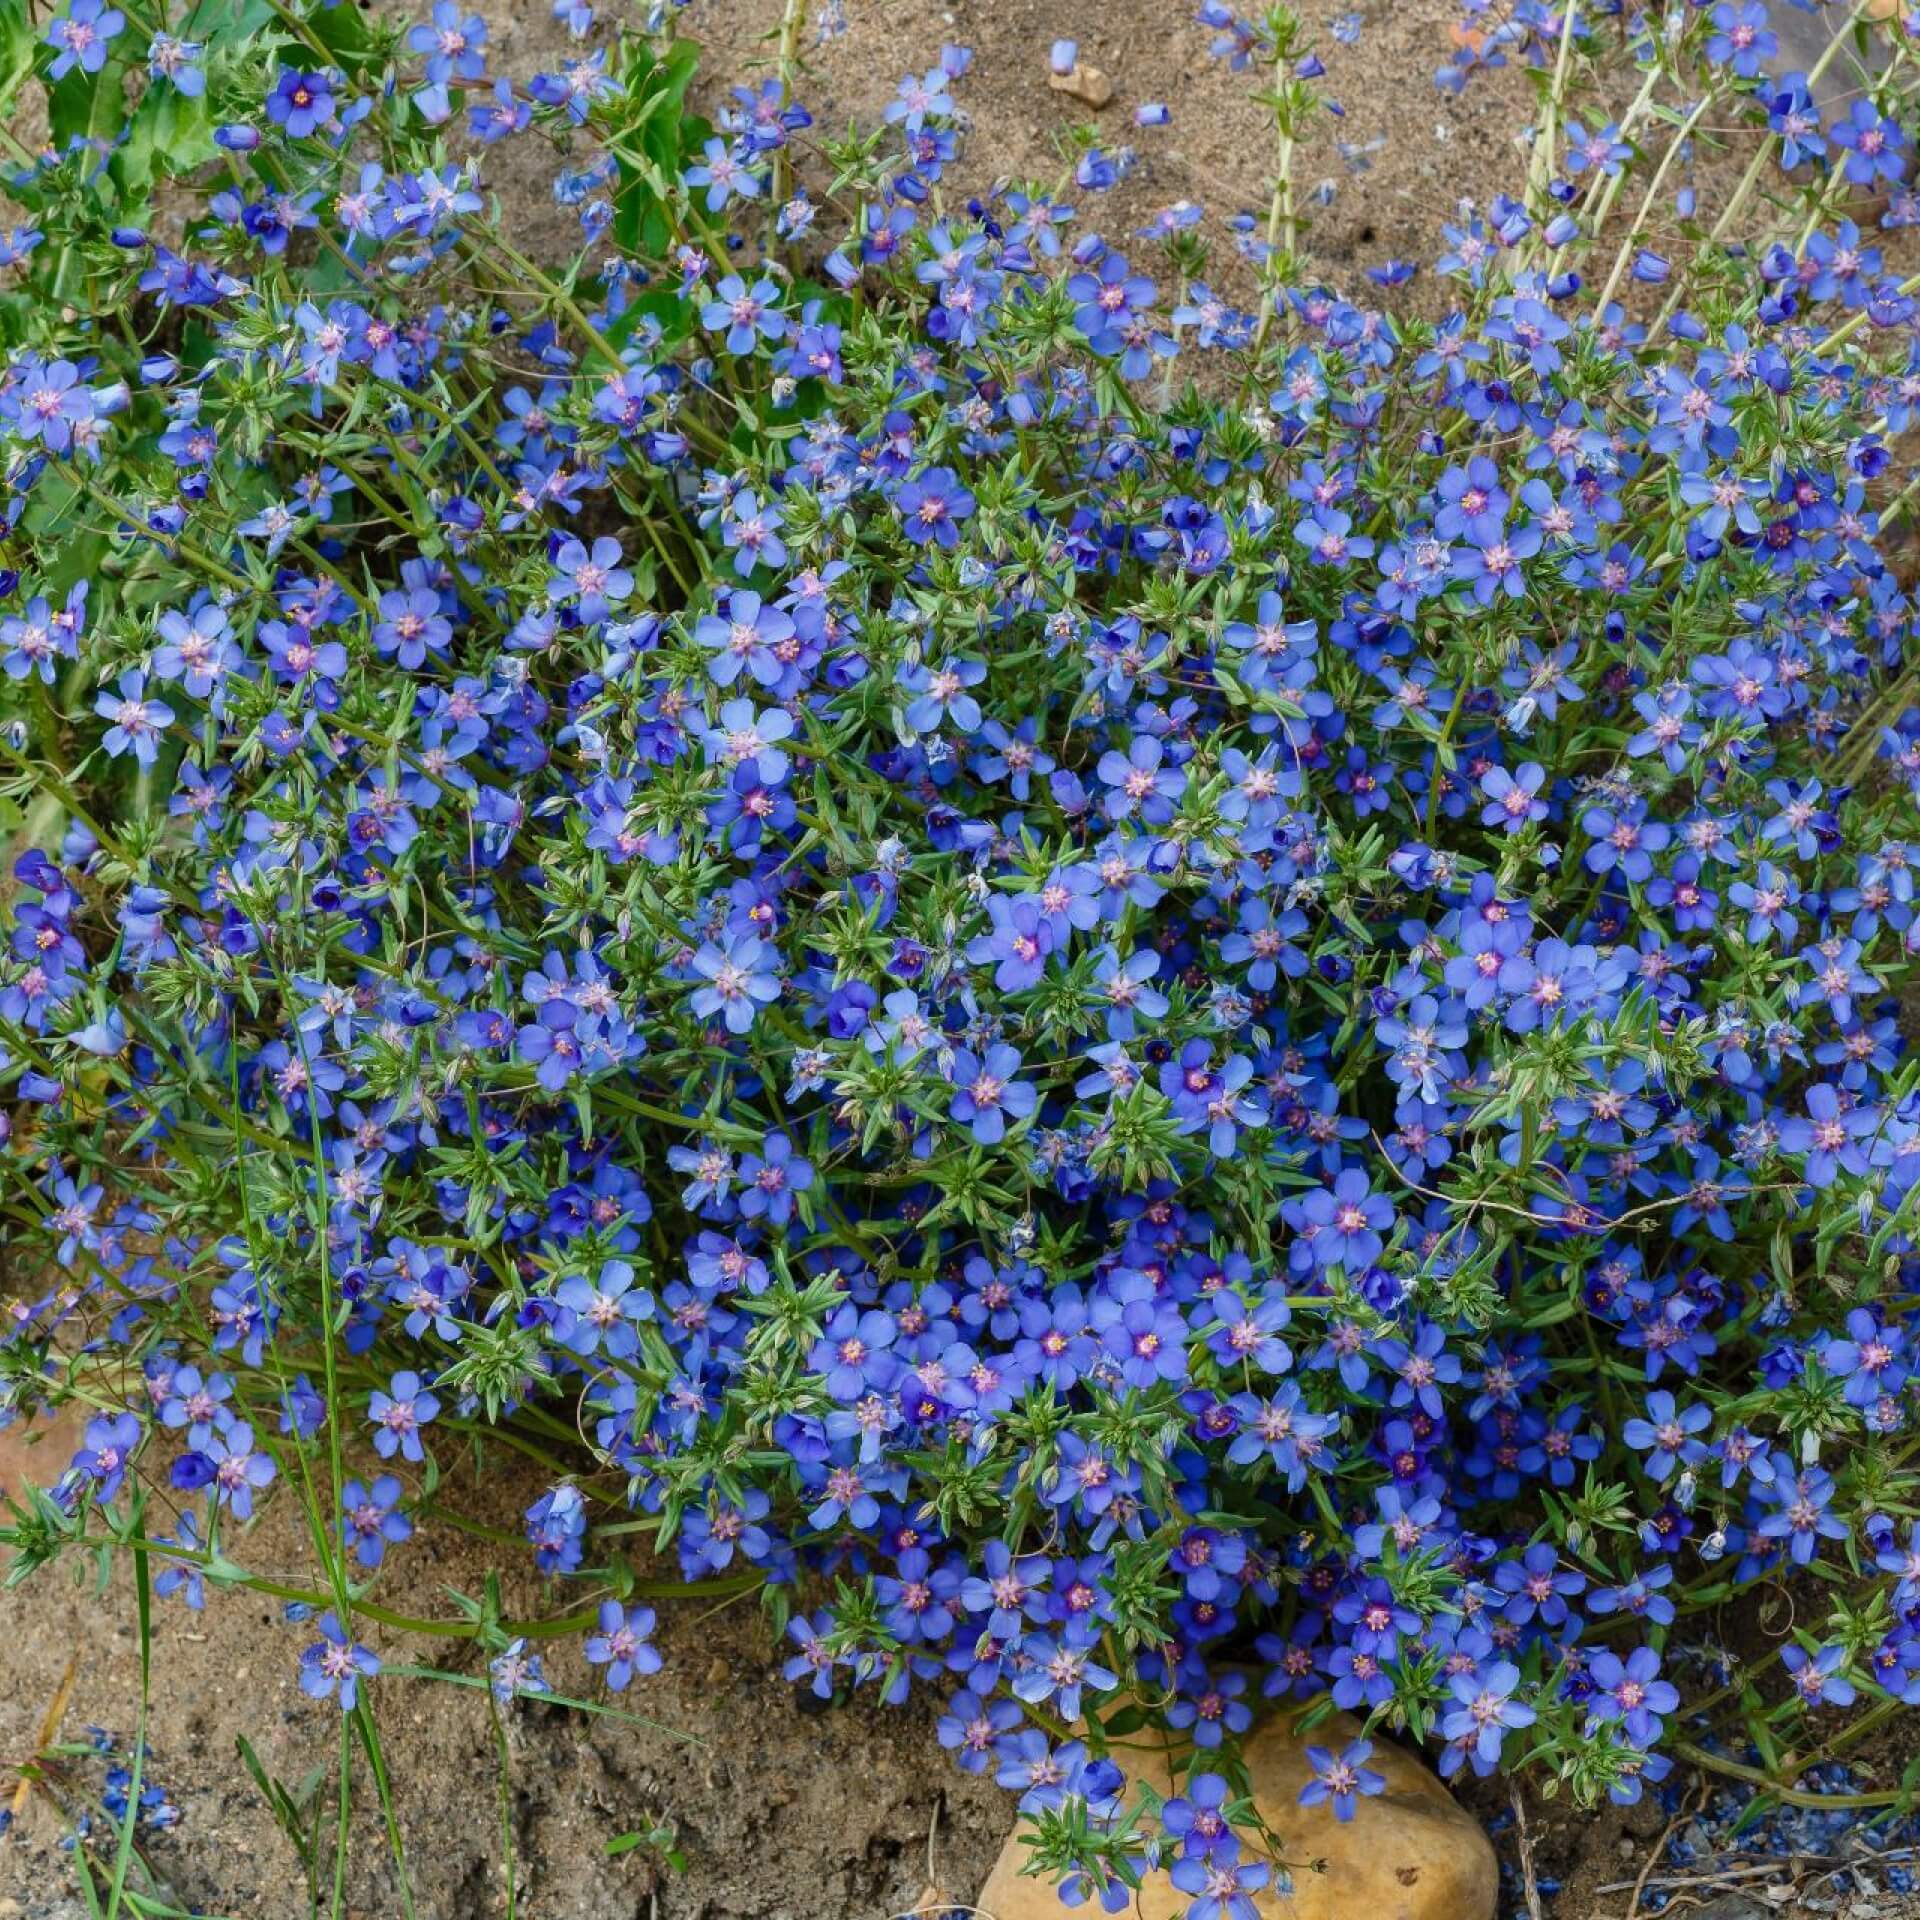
x,y
782,1811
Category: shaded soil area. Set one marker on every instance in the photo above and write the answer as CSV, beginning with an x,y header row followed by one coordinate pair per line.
x,y
782,1812
779,1807
1692,1858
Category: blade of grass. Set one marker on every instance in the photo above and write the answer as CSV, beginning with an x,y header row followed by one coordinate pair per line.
x,y
551,1699
383,1788
506,1803
143,1609
346,1815
49,1727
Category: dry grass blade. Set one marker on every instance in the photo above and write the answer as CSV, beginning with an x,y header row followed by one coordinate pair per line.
x,y
1523,1839
49,1729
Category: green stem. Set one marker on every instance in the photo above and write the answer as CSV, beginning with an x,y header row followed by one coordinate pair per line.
x,y
1793,1796
1540,171
1674,146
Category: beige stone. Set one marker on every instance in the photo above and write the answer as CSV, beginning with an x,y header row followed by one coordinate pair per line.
x,y
1084,83
1410,1853
37,1452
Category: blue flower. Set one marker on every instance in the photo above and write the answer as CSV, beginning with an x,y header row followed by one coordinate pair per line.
x,y
138,721
370,1520
82,35
1341,1779
1668,1435
239,1470
1017,947
336,1664
454,43
111,1439
772,1179
299,102
1144,1337
745,315
602,1313
943,694
739,980
1513,799
513,1672
745,635
47,400
591,578
1140,781
1056,1674
988,1092
1222,1884
932,507
1345,1223
1485,1712
623,1644
398,1413
1872,1359
1875,148
1818,1681
1836,1135
970,1727
726,174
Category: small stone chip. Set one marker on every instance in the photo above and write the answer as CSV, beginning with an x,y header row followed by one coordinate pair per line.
x,y
1084,83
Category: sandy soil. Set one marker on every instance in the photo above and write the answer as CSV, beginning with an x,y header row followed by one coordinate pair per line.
x,y
1410,151
784,1810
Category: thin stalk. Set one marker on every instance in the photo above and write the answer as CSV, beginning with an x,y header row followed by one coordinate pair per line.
x,y
1540,171
1793,1796
1282,226
1679,140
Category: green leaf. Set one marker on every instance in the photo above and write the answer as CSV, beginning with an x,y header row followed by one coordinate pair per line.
x,y
345,33
170,134
16,48
650,145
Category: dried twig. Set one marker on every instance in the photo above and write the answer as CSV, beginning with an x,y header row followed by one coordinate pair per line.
x,y
1529,1881
1660,1847
49,1732
1781,1866
1858,1859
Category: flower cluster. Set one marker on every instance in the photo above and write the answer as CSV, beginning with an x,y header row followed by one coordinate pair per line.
x,y
1123,1048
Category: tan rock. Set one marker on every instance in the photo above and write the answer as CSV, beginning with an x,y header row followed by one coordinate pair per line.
x,y
1410,1853
37,1452
1084,83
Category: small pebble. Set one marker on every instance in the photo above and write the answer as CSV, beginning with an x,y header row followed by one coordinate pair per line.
x,y
1084,83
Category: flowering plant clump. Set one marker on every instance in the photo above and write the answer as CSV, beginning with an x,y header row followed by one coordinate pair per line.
x,y
1149,1003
